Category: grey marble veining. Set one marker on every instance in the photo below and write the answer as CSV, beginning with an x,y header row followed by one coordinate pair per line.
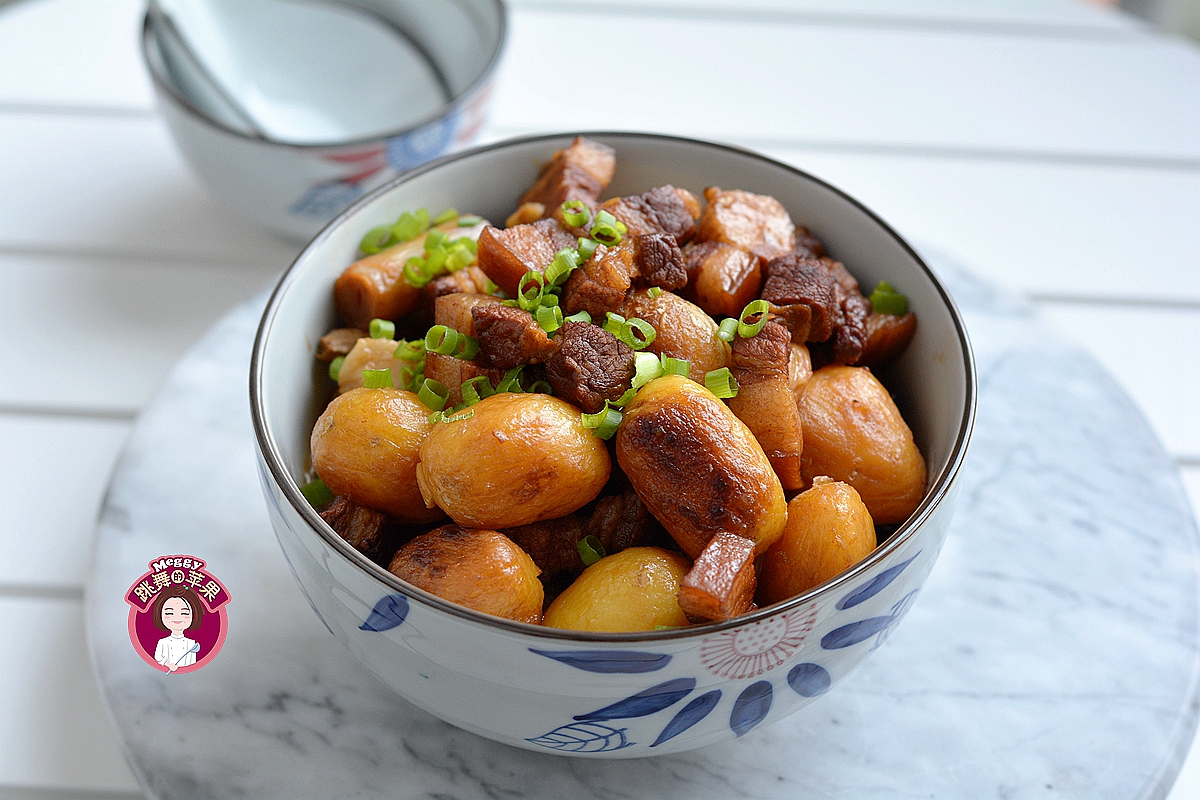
x,y
1052,654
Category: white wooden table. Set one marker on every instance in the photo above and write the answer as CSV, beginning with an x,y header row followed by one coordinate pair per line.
x,y
1052,148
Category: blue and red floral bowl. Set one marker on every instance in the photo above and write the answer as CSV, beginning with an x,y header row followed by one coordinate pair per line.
x,y
595,694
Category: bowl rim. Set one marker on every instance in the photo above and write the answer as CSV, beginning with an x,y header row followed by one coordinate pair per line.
x,y
279,474
471,93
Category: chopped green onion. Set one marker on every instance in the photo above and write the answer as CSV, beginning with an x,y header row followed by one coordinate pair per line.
x,y
408,227
382,329
441,340
604,422
317,493
454,416
676,366
549,318
335,367
377,378
410,351
590,549
434,240
469,221
511,382
624,399
434,262
411,377
414,272
886,300
727,329
646,367
465,241
433,394
654,291
540,387
564,263
586,248
458,257
757,308
377,239
530,289
576,213
468,347
582,316
644,330
490,287
606,229
445,216
721,383
547,300
613,323
476,389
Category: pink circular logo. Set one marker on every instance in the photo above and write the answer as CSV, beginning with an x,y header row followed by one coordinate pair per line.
x,y
177,619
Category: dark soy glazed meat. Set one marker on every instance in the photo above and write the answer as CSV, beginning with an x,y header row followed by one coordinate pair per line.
x,y
362,527
590,366
506,255
721,583
509,337
754,222
659,262
722,278
579,172
338,342
664,209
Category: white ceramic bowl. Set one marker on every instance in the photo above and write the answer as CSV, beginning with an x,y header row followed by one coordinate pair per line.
x,y
296,188
594,694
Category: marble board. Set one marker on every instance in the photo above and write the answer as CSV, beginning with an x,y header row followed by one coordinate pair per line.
x,y
1052,653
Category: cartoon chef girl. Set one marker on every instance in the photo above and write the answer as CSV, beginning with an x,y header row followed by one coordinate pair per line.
x,y
177,609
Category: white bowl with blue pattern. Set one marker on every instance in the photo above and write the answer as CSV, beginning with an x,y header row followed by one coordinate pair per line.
x,y
608,695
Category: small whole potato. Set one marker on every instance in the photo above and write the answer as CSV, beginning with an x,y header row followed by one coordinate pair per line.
x,y
479,569
365,446
519,458
682,330
828,531
853,432
636,589
697,467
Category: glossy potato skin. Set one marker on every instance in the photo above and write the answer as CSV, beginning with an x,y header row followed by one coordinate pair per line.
x,y
828,531
853,432
480,569
370,353
633,590
521,458
365,446
697,467
683,330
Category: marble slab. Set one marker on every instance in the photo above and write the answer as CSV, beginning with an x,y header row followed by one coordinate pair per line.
x,y
1052,654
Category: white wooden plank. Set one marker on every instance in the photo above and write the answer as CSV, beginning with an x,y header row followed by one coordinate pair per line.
x,y
73,53
55,471
1152,353
116,186
53,730
1061,229
941,89
104,333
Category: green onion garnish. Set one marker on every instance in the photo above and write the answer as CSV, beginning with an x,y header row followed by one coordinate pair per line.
x,y
613,323
409,227
540,387
676,366
582,316
549,318
624,399
727,329
564,263
449,342
434,262
434,240
382,329
757,308
458,257
433,394
721,383
646,367
511,382
410,378
445,216
469,221
604,422
548,300
590,549
377,378
335,367
476,389
607,230
317,493
886,300
414,272
377,239
586,248
654,291
410,351
467,242
530,289
637,333
576,213
454,416
468,347
490,287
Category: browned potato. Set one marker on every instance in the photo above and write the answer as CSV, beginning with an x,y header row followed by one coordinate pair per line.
x,y
369,353
799,369
365,446
697,467
519,459
853,432
683,330
828,531
634,590
479,569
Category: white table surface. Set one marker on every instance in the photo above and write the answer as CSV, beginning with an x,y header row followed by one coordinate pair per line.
x,y
1051,147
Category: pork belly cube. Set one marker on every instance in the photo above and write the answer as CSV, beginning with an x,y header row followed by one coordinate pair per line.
x,y
553,544
509,337
664,209
454,310
599,285
722,278
887,337
754,222
659,262
721,583
622,521
579,172
807,244
805,295
454,372
590,366
506,255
